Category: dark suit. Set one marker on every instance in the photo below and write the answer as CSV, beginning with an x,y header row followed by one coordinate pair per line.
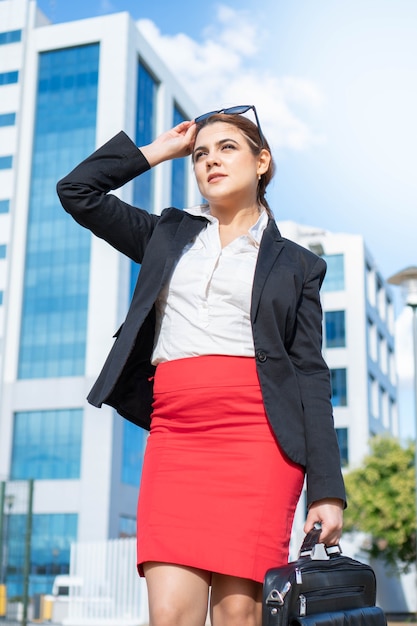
x,y
285,313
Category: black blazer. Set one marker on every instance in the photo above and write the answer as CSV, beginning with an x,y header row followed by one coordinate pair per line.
x,y
285,313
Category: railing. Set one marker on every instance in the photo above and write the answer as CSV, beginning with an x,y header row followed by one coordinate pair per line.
x,y
106,587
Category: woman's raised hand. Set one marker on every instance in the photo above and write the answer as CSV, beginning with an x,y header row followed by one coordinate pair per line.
x,y
174,143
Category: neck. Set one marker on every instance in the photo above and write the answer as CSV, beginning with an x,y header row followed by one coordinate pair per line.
x,y
239,217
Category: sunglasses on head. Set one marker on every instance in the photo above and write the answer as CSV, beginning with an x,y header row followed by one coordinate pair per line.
x,y
237,110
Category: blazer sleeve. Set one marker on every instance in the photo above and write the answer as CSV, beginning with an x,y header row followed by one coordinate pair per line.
x,y
84,194
323,468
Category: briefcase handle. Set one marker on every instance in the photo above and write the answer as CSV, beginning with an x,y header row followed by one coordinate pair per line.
x,y
315,550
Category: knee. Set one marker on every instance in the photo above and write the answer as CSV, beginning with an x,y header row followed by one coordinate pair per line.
x,y
170,614
234,612
163,615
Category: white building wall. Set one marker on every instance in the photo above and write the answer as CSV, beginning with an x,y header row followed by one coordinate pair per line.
x,y
98,497
360,301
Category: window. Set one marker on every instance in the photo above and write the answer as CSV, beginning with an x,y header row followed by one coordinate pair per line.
x,y
370,285
52,535
6,162
56,279
4,206
392,372
342,439
147,88
339,387
11,36
381,298
335,275
179,171
127,526
8,78
3,251
335,329
383,353
47,444
385,407
7,119
1,297
134,439
373,390
145,132
372,340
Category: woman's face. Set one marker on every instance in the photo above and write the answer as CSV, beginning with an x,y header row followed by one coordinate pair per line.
x,y
224,165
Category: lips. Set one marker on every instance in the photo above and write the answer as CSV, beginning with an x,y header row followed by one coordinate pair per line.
x,y
215,176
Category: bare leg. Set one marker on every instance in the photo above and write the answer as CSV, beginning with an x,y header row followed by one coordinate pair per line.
x,y
235,601
178,596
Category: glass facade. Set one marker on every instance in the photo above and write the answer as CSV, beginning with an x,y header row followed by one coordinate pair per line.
x,y
342,438
11,36
47,444
145,132
335,276
4,206
127,526
178,171
339,386
6,162
7,119
134,439
335,329
147,88
55,296
9,78
52,535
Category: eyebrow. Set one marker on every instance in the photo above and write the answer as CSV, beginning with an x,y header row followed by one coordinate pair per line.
x,y
218,143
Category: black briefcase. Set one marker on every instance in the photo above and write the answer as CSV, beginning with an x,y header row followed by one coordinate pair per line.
x,y
321,588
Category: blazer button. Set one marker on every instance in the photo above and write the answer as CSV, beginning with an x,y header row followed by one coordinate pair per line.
x,y
261,356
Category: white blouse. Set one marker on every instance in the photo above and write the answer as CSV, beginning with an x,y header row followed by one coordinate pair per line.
x,y
205,308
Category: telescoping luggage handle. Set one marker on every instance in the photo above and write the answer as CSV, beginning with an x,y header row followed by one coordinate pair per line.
x,y
317,551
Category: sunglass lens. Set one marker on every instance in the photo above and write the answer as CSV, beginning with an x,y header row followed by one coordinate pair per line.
x,y
205,116
238,110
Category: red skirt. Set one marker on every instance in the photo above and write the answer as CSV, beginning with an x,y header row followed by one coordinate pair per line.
x,y
217,492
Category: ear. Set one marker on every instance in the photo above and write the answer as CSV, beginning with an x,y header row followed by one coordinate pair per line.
x,y
264,160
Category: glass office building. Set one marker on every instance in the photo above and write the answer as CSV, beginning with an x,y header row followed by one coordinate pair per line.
x,y
64,90
358,338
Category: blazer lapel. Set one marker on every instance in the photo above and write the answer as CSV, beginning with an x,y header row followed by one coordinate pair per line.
x,y
157,271
271,246
188,228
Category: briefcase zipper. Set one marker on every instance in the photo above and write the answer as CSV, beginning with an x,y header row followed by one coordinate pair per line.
x,y
303,605
324,595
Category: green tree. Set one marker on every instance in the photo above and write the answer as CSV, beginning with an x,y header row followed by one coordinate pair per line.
x,y
381,502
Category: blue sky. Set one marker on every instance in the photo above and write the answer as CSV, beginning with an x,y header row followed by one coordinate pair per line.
x,y
335,85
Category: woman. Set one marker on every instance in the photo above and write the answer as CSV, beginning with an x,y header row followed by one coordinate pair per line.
x,y
222,344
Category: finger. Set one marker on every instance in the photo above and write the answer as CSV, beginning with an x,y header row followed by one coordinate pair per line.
x,y
184,126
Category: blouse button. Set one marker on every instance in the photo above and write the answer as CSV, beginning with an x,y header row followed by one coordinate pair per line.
x,y
261,356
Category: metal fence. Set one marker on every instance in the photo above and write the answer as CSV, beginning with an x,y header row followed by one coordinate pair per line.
x,y
16,500
104,585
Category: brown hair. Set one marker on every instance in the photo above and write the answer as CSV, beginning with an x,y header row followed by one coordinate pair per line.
x,y
256,144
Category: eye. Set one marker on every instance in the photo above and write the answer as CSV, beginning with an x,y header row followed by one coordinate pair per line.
x,y
198,155
228,146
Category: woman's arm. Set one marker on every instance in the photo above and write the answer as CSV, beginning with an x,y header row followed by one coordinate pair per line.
x,y
84,192
325,488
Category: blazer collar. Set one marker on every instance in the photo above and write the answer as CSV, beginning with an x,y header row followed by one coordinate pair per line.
x,y
272,244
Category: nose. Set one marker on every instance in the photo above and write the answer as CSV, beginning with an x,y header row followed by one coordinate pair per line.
x,y
212,158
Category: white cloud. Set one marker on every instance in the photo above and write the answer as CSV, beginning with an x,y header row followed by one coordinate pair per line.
x,y
223,69
106,6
